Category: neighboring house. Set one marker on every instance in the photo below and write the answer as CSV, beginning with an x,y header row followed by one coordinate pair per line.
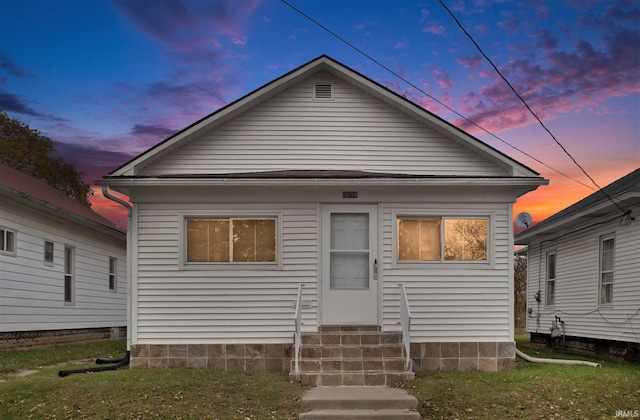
x,y
62,267
327,179
583,267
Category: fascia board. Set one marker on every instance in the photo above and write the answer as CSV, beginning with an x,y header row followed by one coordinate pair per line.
x,y
208,182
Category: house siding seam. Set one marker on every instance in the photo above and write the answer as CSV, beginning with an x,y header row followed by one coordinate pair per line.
x,y
351,132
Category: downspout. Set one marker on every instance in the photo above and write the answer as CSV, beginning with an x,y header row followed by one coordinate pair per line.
x,y
554,361
126,205
115,364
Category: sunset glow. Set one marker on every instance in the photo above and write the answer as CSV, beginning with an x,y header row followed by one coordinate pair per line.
x,y
107,80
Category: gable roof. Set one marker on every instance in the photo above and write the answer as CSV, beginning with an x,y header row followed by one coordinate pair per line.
x,y
624,191
28,190
134,167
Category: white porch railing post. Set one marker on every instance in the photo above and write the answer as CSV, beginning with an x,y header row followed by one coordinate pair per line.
x,y
298,322
405,322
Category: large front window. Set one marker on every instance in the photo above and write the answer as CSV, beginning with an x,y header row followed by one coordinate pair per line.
x,y
228,240
442,239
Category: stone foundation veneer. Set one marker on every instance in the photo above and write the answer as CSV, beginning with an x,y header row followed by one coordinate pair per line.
x,y
464,356
250,357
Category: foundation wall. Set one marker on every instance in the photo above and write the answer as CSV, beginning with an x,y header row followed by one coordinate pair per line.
x,y
464,356
249,357
605,349
46,338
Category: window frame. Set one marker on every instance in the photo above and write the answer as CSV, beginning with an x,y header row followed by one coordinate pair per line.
x,y
550,298
48,261
601,271
480,264
5,233
113,274
69,278
230,265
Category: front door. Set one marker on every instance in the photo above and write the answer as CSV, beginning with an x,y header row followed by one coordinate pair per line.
x,y
349,265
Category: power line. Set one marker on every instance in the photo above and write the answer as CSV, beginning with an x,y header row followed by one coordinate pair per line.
x,y
529,108
428,95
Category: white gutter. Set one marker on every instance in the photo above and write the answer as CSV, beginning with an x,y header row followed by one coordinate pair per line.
x,y
128,206
195,181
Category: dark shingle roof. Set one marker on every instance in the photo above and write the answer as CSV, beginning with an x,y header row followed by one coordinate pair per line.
x,y
21,185
628,183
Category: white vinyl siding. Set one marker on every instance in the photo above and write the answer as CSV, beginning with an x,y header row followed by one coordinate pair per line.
x,y
33,292
354,131
578,294
452,301
221,304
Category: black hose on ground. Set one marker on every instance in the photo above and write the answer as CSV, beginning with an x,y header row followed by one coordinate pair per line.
x,y
113,365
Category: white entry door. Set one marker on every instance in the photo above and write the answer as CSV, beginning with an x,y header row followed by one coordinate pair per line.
x,y
349,265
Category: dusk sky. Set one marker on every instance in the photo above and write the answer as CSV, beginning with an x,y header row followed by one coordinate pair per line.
x,y
107,80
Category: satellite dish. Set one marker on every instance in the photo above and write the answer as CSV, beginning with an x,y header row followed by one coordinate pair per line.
x,y
523,220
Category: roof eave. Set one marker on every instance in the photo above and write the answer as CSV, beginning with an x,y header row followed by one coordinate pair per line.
x,y
596,210
39,204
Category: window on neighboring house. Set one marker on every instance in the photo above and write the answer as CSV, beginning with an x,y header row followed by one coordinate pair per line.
x,y
551,278
231,240
7,241
48,252
69,274
421,239
607,245
113,278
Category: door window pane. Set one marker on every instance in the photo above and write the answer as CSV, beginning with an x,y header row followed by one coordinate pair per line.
x,y
349,251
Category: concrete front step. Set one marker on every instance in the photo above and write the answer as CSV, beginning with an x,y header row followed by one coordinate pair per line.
x,y
359,403
392,414
351,356
353,378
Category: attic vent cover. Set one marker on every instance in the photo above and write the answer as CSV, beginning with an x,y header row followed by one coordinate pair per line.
x,y
323,91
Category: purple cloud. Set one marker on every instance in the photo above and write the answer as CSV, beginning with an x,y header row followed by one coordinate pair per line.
x,y
93,162
12,68
183,25
561,81
152,130
12,103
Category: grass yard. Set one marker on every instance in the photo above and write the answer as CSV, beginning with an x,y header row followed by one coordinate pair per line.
x,y
532,391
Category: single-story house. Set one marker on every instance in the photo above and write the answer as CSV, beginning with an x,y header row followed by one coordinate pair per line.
x,y
583,275
62,267
327,183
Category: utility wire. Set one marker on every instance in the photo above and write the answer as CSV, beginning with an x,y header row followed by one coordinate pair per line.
x,y
529,108
427,95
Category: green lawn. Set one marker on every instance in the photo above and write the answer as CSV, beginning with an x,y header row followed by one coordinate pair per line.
x,y
532,391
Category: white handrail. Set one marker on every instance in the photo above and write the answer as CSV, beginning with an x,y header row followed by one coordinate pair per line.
x,y
405,322
296,340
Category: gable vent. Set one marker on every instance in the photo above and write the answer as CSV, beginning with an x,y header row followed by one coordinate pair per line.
x,y
323,91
